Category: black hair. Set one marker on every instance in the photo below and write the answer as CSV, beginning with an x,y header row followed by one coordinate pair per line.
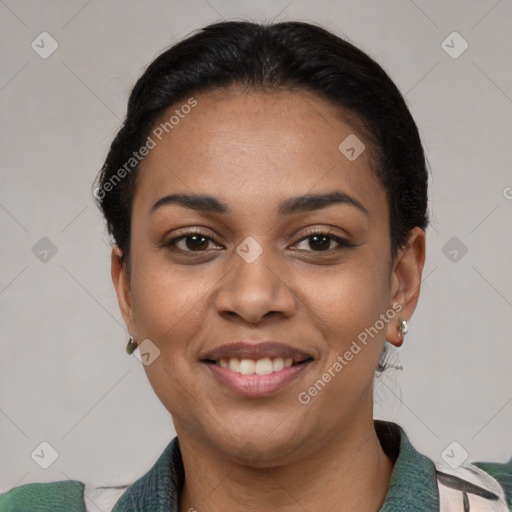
x,y
272,56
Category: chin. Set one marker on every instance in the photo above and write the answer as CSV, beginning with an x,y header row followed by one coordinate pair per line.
x,y
262,455
262,447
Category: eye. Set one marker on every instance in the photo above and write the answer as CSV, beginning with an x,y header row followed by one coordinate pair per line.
x,y
198,242
322,241
191,241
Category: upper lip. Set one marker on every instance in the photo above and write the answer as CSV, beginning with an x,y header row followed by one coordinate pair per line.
x,y
256,350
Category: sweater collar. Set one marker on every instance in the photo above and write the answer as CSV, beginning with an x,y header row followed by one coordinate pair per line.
x,y
413,485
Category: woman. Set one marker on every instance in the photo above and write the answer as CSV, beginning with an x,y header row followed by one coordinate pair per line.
x,y
267,197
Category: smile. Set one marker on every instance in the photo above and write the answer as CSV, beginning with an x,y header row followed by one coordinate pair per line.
x,y
264,366
256,370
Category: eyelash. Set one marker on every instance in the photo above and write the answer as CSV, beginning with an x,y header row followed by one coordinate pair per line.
x,y
342,243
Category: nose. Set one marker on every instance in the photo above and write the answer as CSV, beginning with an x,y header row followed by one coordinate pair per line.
x,y
254,290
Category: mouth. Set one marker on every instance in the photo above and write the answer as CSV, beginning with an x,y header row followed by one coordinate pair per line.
x,y
263,366
256,369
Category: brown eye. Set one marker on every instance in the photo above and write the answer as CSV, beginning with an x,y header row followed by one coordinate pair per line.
x,y
191,242
322,242
195,242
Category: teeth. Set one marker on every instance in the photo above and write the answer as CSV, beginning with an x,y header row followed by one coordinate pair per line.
x,y
278,364
234,365
263,366
247,367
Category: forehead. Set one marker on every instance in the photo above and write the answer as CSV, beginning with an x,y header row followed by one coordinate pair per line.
x,y
241,145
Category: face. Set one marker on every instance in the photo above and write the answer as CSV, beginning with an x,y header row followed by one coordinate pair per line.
x,y
253,278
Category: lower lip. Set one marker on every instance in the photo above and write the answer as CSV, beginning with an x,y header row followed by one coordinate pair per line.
x,y
257,385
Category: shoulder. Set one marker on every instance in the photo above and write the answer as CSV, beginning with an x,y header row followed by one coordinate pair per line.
x,y
62,496
420,483
475,487
160,486
67,495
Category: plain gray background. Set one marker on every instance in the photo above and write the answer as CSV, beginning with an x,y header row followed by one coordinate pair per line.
x,y
64,376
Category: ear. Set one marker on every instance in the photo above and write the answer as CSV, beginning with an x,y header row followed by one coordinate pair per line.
x,y
121,282
406,282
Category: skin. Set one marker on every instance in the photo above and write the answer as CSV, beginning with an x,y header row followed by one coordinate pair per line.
x,y
252,150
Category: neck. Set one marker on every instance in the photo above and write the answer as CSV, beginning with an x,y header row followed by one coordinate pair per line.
x,y
352,473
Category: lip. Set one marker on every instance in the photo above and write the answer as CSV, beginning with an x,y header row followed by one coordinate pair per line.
x,y
257,385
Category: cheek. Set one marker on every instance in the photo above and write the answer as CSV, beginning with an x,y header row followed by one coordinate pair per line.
x,y
346,307
168,310
164,297
346,300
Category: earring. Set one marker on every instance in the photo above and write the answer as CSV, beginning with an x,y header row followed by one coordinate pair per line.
x,y
132,345
402,327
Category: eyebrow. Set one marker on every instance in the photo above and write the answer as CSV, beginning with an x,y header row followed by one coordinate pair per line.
x,y
294,205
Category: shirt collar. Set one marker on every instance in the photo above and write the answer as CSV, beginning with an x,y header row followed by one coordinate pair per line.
x,y
413,485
